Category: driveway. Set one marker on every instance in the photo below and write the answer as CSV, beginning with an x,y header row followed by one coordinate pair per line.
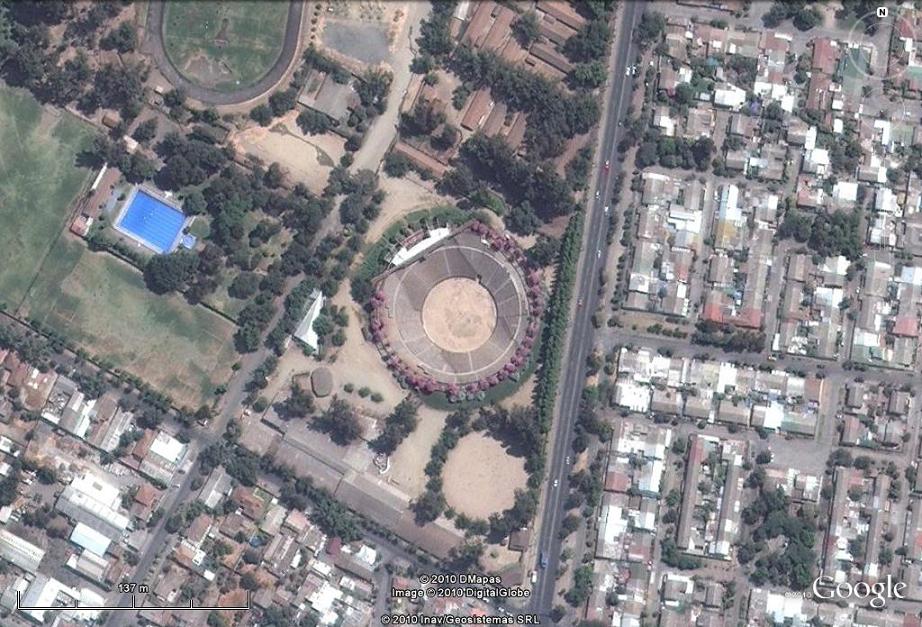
x,y
384,128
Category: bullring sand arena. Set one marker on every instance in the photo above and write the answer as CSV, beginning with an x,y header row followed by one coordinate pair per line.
x,y
457,312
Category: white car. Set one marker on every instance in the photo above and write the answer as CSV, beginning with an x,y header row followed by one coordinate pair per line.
x,y
556,483
607,207
597,193
598,254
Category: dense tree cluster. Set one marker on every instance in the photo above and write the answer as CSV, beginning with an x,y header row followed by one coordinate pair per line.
x,y
170,273
556,322
188,161
29,59
826,234
431,503
651,28
490,159
397,426
727,337
555,116
802,15
590,43
340,422
435,41
792,565
675,152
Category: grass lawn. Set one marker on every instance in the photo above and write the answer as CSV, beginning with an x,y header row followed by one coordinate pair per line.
x,y
38,181
224,45
102,304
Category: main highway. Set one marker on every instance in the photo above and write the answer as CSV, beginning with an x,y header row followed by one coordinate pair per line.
x,y
592,259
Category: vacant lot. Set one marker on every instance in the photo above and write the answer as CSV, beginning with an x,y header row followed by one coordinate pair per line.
x,y
38,181
307,158
408,463
103,305
224,45
480,478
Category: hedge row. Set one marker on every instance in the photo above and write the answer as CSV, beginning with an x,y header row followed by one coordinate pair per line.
x,y
557,321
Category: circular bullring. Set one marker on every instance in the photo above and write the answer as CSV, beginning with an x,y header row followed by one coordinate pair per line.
x,y
461,316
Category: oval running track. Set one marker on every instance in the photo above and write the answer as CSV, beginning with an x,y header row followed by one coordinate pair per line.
x,y
156,48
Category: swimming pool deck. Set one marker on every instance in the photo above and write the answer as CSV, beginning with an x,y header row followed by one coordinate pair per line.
x,y
151,220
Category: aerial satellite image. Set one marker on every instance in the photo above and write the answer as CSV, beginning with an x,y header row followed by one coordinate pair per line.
x,y
344,313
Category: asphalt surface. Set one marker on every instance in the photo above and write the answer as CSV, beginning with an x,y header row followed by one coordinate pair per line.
x,y
155,47
593,258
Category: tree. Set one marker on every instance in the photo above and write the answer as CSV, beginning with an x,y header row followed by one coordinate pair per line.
x,y
588,75
146,130
339,422
120,87
313,122
544,251
281,102
396,164
429,506
397,426
373,87
122,38
447,138
526,28
169,273
244,285
795,225
590,43
651,28
422,120
298,405
261,114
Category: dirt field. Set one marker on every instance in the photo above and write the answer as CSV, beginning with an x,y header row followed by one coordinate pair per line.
x,y
356,362
459,315
409,461
361,33
479,478
307,158
404,196
523,395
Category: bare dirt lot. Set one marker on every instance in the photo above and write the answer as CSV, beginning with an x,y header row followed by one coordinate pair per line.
x,y
480,478
459,315
361,33
403,197
408,463
307,158
359,363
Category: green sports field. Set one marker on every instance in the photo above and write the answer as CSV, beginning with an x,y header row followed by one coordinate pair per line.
x,y
102,304
224,45
38,181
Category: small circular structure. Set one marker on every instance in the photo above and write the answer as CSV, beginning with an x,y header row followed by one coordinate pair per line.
x,y
460,316
321,382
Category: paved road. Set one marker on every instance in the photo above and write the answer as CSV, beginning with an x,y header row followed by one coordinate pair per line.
x,y
580,341
154,46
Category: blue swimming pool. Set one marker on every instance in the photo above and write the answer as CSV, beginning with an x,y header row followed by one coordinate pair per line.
x,y
152,222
